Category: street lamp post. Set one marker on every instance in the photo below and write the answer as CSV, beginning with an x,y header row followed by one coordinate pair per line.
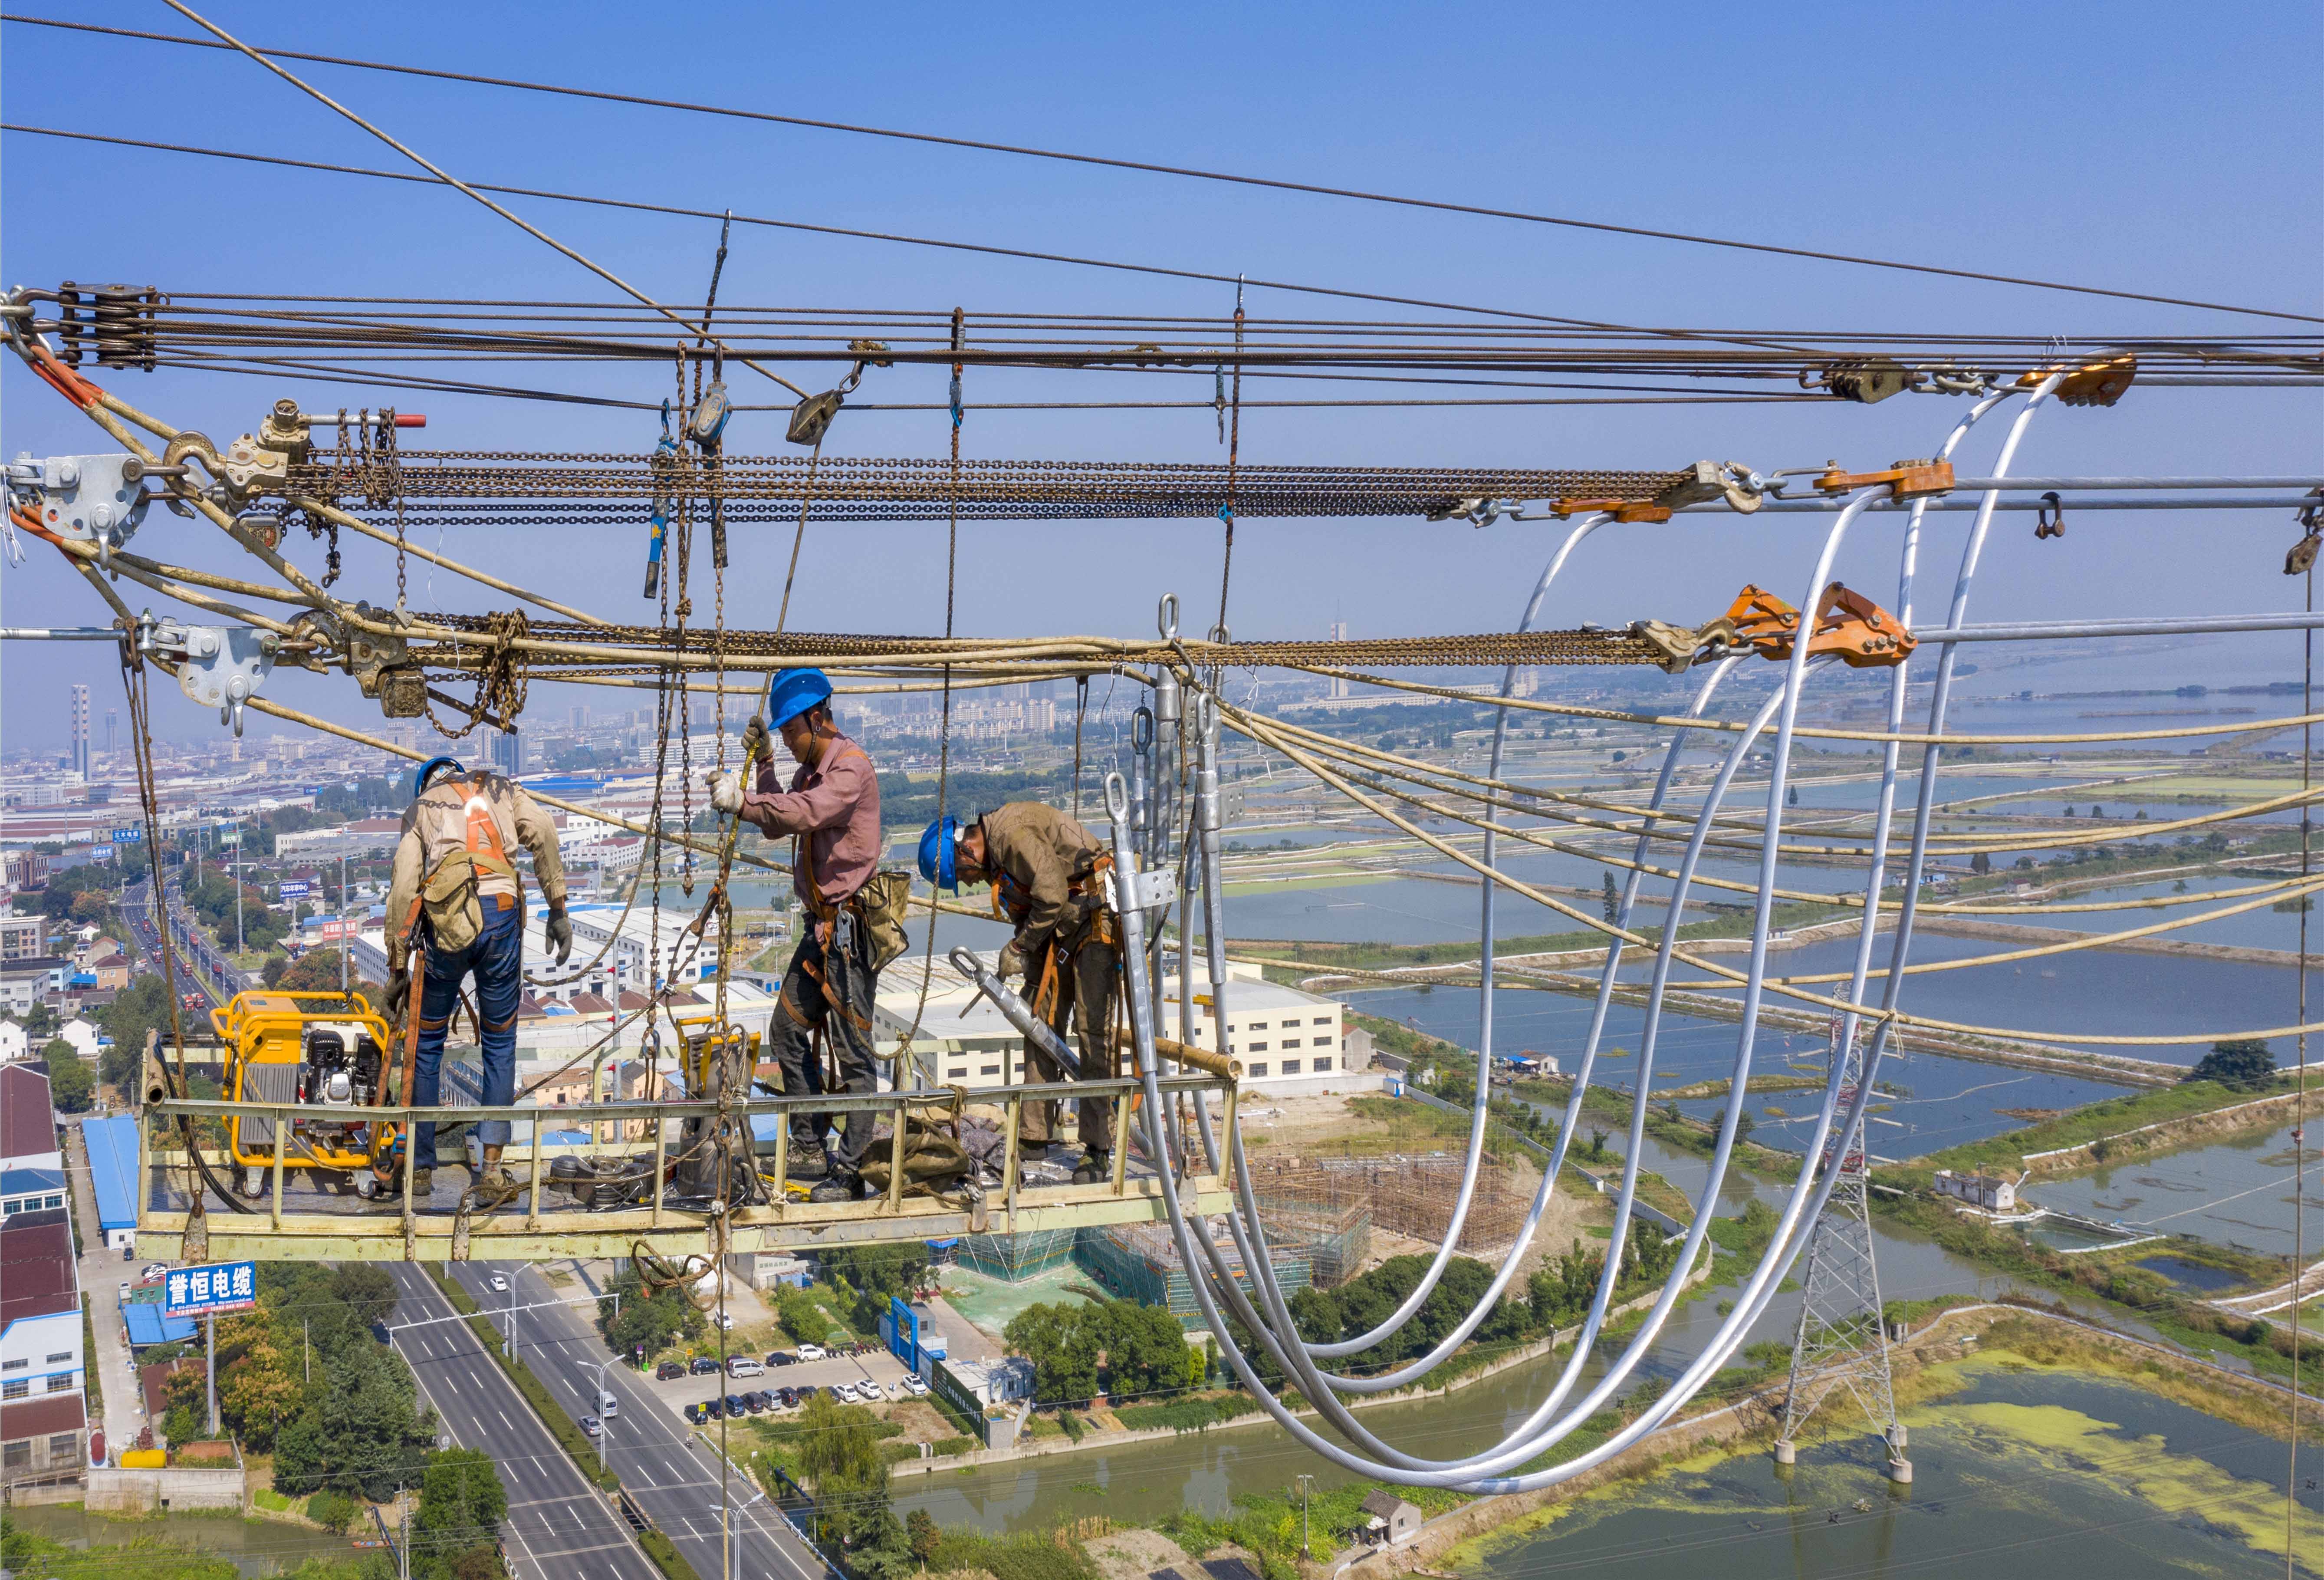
x,y
238,945
344,940
735,1569
1305,1482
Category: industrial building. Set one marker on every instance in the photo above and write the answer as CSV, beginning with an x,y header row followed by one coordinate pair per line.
x,y
1289,1041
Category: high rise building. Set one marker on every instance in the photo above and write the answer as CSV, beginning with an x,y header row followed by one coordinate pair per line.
x,y
112,730
1339,633
508,752
80,757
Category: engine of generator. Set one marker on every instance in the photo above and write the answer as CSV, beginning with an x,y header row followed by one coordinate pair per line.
x,y
339,1065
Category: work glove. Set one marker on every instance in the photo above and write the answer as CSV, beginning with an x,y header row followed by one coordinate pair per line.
x,y
1011,963
561,934
758,744
725,792
399,993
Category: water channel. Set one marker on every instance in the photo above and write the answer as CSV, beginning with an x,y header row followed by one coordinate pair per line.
x,y
257,1547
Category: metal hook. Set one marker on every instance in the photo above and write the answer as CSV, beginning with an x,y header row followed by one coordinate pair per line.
x,y
1141,730
1165,616
2049,518
1117,797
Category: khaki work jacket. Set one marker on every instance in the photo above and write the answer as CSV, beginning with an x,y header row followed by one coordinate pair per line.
x,y
1038,855
436,824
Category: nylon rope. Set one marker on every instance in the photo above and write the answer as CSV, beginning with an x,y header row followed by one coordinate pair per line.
x,y
905,1042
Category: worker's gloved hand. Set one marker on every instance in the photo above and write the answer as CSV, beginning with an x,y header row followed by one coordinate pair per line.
x,y
559,929
758,746
399,993
1013,961
725,792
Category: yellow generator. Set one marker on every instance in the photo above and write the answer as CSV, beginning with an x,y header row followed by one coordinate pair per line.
x,y
328,1052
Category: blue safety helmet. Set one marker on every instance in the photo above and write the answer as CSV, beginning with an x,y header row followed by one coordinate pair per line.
x,y
936,848
428,771
792,693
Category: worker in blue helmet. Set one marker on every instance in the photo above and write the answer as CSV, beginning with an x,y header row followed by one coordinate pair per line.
x,y
456,909
831,809
1048,877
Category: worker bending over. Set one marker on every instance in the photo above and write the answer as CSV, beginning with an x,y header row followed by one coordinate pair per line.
x,y
833,808
1048,877
456,896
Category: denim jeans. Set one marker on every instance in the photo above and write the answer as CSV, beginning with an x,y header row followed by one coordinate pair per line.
x,y
496,960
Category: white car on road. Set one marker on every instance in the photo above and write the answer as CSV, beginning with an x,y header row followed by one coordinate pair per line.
x,y
810,1351
500,1285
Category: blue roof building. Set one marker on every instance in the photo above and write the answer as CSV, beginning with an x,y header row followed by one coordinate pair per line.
x,y
147,1325
112,1144
31,1190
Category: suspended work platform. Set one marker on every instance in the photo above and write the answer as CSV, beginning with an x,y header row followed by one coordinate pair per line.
x,y
301,1210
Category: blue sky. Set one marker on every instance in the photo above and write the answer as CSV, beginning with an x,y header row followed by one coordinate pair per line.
x,y
2133,146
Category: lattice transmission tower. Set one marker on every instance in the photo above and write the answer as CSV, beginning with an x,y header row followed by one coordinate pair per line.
x,y
1841,1344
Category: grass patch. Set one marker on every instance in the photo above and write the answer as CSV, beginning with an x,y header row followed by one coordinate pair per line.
x,y
1186,1414
89,1352
1026,1555
666,1557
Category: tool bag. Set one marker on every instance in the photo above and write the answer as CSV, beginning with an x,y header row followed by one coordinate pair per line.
x,y
881,904
933,1158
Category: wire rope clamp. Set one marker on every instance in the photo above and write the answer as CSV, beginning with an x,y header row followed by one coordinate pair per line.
x,y
1683,647
83,499
1866,381
219,666
1904,479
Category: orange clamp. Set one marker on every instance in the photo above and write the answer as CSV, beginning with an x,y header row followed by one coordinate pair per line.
x,y
1905,479
1623,510
2094,383
1848,625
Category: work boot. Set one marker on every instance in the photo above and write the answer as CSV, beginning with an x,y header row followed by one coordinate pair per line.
x,y
423,1181
495,1188
807,1163
1096,1166
839,1188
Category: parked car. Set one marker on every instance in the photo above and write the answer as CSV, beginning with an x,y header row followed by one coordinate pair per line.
x,y
781,1358
153,1269
745,1367
914,1385
703,1366
695,1415
711,1410
589,1425
736,1407
669,1371
810,1351
757,1402
788,1396
844,1391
